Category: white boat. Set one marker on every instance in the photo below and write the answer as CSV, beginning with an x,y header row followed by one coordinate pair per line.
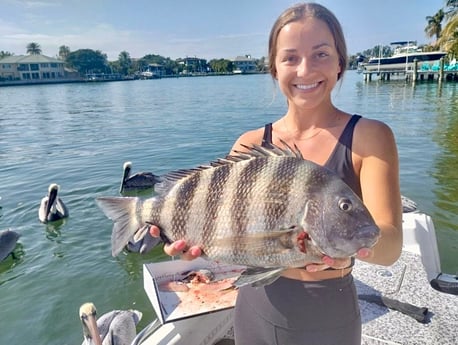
x,y
405,53
410,302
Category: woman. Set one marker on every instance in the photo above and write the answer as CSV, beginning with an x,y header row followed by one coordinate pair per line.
x,y
318,304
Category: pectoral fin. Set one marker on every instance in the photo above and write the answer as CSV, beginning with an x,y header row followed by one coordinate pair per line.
x,y
257,241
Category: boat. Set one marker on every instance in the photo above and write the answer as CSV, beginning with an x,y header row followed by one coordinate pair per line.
x,y
410,302
402,59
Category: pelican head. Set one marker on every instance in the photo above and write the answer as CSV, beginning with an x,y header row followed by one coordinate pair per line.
x,y
52,208
126,168
88,315
137,182
117,327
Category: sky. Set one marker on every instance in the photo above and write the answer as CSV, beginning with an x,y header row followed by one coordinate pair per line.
x,y
208,29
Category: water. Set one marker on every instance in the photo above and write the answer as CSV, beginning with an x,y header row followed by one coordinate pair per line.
x,y
79,135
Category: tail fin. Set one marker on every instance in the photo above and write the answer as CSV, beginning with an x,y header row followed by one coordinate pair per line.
x,y
123,212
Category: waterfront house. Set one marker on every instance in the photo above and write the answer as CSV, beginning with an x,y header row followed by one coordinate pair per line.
x,y
244,64
35,68
152,71
193,65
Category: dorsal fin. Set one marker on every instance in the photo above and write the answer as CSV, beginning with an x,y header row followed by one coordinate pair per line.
x,y
253,151
271,150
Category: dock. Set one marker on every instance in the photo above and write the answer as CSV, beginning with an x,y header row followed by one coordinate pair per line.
x,y
415,72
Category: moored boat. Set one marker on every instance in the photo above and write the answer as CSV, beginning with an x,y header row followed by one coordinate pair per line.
x,y
410,302
403,58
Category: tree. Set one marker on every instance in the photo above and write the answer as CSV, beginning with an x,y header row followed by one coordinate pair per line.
x,y
124,62
449,38
4,54
434,26
449,35
88,61
221,65
63,52
33,48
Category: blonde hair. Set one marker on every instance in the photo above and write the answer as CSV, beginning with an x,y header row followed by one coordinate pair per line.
x,y
308,10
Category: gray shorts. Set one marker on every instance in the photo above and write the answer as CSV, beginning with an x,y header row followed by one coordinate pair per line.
x,y
293,312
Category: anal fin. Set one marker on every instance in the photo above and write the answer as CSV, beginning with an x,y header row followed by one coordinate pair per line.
x,y
256,276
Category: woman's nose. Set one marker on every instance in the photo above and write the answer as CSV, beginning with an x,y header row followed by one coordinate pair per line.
x,y
303,67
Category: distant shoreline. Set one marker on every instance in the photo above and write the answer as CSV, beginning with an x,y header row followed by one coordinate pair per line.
x,y
128,78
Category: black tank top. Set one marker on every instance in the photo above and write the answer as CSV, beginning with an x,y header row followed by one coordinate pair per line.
x,y
340,160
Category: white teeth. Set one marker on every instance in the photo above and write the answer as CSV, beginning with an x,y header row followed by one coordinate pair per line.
x,y
306,87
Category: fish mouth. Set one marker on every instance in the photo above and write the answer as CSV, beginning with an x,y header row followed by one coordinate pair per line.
x,y
342,247
368,235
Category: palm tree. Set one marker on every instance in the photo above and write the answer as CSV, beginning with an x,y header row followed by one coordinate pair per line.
x,y
434,26
5,54
33,48
449,35
63,52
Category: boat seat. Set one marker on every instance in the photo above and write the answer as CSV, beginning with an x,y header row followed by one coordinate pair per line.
x,y
425,66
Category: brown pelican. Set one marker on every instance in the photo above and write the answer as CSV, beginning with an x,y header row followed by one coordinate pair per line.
x,y
138,181
8,239
52,208
117,327
408,205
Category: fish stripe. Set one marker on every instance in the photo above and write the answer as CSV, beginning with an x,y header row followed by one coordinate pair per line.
x,y
214,202
275,213
183,204
253,171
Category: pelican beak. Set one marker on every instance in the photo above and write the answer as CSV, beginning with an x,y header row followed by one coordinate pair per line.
x,y
91,333
52,196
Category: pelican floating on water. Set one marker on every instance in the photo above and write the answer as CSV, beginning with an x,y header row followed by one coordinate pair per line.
x,y
8,240
138,181
52,207
117,327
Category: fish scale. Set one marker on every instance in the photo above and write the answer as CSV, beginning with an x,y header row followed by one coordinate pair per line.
x,y
250,209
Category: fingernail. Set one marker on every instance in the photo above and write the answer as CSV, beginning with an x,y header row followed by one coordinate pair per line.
x,y
179,245
194,252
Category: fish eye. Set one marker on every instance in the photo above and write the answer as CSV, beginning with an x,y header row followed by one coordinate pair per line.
x,y
345,204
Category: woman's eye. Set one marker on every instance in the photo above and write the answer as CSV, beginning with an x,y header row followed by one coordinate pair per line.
x,y
289,59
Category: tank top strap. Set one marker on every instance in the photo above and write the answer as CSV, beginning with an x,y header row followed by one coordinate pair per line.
x,y
340,161
346,137
267,137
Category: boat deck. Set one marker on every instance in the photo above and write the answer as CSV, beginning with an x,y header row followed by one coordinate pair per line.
x,y
406,281
397,303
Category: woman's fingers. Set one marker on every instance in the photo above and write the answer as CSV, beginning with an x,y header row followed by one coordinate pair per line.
x,y
178,247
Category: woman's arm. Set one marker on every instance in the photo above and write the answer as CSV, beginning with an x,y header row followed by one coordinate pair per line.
x,y
379,176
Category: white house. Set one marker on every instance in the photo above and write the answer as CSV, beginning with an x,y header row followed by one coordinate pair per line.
x,y
33,68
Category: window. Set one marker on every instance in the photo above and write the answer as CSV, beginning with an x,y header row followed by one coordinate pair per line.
x,y
23,67
34,67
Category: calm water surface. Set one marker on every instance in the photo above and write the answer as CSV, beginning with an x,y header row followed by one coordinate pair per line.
x,y
79,135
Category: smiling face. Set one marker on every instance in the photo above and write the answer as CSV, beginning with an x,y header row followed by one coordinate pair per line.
x,y
307,64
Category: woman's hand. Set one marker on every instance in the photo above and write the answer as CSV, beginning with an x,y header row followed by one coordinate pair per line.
x,y
178,247
363,253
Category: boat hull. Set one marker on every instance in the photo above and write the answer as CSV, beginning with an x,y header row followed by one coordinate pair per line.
x,y
402,62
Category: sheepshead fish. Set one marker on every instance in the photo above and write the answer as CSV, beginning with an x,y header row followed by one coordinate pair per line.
x,y
268,209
